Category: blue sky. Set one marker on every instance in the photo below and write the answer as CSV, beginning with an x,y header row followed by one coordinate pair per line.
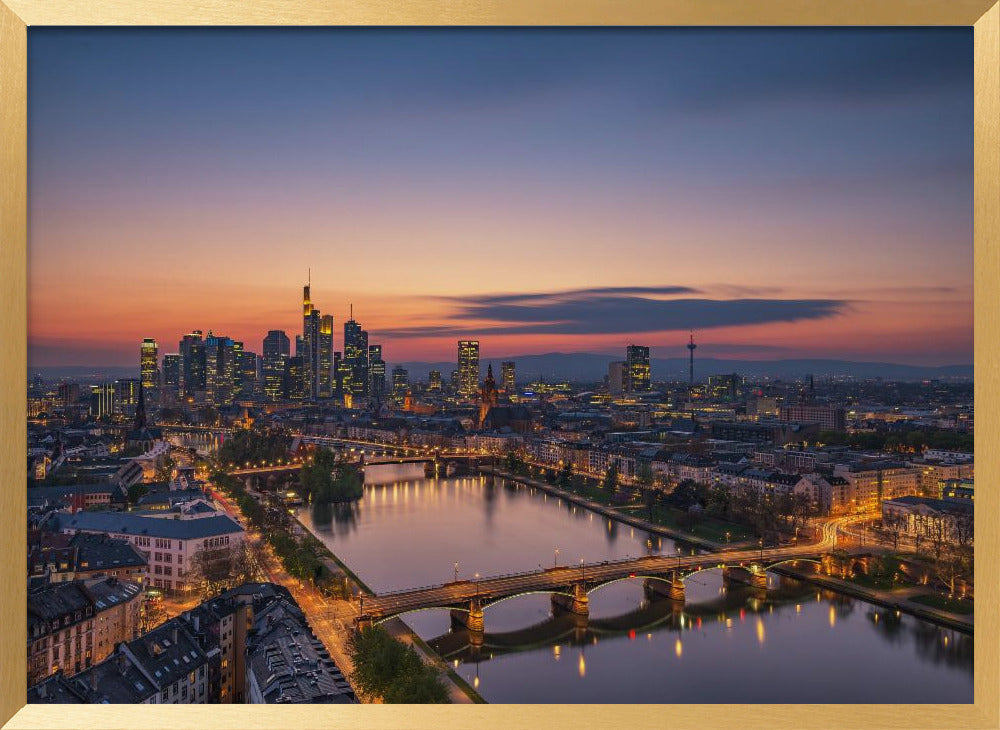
x,y
805,189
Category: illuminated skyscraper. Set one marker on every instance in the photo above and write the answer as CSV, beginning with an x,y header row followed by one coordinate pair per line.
x,y
324,357
400,385
294,382
171,376
376,373
637,377
221,369
248,375
310,335
316,349
149,371
507,378
192,351
468,368
126,397
355,358
434,380
276,351
341,373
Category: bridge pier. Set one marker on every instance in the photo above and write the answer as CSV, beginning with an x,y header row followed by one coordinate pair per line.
x,y
578,603
754,576
672,589
471,619
363,623
845,565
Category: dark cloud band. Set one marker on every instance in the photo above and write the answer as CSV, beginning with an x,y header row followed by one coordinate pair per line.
x,y
590,312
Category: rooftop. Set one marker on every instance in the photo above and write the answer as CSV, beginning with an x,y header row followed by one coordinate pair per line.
x,y
128,524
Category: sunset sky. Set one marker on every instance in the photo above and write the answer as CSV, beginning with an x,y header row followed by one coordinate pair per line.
x,y
784,193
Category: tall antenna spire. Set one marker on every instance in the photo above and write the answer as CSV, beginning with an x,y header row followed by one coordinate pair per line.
x,y
691,347
309,276
352,310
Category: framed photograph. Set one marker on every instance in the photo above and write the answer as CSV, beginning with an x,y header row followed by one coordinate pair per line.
x,y
582,365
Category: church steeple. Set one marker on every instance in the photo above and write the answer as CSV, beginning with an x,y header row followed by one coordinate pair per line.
x,y
140,410
487,395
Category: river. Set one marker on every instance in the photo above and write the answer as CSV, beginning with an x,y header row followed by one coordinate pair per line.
x,y
730,645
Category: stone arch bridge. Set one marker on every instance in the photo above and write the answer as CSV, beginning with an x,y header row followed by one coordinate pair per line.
x,y
570,587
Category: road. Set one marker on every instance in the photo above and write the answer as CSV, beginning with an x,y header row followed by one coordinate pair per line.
x,y
330,619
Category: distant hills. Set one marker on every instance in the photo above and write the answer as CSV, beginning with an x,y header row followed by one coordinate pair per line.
x,y
591,367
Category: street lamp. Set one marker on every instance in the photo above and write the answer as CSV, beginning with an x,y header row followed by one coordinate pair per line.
x,y
727,537
583,571
456,572
761,543
555,559
477,584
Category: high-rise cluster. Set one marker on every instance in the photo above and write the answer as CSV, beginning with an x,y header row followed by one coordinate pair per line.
x,y
217,370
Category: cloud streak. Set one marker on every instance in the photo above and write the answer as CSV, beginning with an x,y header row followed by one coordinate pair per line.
x,y
611,310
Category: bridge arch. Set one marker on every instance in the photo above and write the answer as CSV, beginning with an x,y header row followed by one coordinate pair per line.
x,y
664,578
463,606
795,560
489,603
397,614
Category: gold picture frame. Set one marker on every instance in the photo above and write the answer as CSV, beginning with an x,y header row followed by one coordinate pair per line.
x,y
17,15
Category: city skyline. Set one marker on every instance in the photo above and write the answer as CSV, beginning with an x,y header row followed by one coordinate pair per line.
x,y
538,191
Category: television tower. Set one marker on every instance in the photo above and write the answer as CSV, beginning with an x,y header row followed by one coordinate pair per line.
x,y
691,347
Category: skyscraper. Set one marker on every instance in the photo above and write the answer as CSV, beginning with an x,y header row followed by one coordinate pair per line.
x,y
171,375
341,373
310,335
637,379
126,396
355,358
468,368
324,357
294,382
508,378
192,351
434,381
220,369
400,385
276,351
248,374
376,373
616,378
149,372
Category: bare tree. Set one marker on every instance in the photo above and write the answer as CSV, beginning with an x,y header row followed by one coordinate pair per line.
x,y
892,525
953,565
214,570
938,537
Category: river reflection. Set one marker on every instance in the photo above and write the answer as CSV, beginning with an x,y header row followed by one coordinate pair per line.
x,y
790,643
